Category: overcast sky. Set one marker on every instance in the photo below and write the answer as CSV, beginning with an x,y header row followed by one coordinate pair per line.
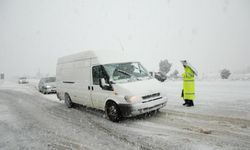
x,y
211,34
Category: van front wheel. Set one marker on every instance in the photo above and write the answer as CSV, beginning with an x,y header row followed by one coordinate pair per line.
x,y
68,101
113,112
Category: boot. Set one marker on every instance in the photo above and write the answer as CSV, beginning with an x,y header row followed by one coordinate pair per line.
x,y
188,103
184,104
192,103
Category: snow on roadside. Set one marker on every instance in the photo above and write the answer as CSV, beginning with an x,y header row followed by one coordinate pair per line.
x,y
30,88
12,85
220,98
34,84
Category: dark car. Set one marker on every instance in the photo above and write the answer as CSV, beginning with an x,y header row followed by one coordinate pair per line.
x,y
159,76
47,85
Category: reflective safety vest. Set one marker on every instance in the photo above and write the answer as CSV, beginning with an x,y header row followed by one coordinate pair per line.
x,y
188,84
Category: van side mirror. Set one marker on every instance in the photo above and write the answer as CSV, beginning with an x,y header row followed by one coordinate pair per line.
x,y
103,82
104,85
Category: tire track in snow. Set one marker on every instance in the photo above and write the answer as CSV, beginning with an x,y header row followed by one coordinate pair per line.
x,y
234,121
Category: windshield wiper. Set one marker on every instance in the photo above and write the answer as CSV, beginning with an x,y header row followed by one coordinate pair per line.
x,y
126,73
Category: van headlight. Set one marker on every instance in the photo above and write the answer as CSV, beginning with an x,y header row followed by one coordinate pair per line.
x,y
132,99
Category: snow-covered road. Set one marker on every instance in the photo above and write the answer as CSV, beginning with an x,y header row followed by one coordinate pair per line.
x,y
219,120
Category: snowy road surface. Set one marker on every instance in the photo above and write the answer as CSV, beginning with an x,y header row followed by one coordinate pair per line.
x,y
219,120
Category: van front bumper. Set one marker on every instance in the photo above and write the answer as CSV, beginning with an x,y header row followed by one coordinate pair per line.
x,y
129,110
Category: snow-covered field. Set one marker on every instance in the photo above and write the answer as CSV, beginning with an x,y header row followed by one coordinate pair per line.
x,y
220,119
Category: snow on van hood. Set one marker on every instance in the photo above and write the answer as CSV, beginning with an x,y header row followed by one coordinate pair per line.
x,y
138,88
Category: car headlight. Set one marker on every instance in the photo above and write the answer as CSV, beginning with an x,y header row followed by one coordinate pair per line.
x,y
132,99
48,86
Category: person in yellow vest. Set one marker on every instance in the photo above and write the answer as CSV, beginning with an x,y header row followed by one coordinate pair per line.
x,y
188,92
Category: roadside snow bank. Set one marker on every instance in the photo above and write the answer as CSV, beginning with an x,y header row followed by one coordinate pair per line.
x,y
30,88
219,98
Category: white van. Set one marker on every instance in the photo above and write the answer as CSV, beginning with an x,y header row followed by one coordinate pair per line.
x,y
110,82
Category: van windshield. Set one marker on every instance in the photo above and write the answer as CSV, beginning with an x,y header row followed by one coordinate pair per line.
x,y
125,72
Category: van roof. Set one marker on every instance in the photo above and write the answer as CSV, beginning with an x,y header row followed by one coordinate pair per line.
x,y
103,57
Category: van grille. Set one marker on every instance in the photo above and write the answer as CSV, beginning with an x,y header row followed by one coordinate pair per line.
x,y
151,96
152,100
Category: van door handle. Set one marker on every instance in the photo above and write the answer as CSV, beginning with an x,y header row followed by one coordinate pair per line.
x,y
88,87
92,88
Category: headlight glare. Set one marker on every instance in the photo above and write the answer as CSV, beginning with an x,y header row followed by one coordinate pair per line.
x,y
132,99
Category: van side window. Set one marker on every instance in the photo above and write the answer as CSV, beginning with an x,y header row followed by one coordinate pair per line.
x,y
98,72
